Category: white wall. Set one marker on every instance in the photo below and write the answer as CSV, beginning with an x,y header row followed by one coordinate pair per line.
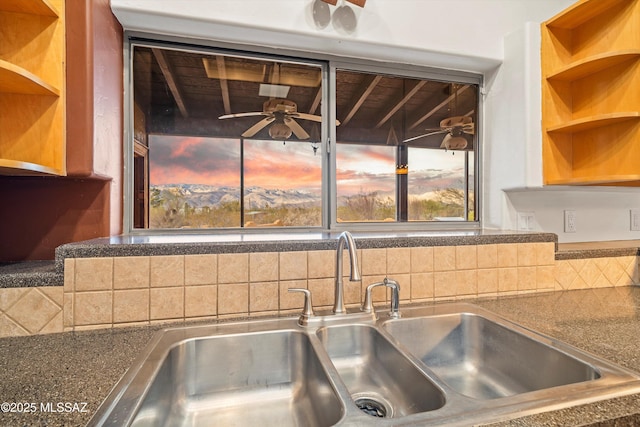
x,y
498,38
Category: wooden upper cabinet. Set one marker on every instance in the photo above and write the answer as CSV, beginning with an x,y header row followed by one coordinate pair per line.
x,y
32,78
591,94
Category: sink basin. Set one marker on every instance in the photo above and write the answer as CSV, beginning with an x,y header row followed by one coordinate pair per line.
x,y
445,365
381,381
259,379
485,360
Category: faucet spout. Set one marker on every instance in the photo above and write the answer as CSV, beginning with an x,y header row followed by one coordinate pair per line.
x,y
345,239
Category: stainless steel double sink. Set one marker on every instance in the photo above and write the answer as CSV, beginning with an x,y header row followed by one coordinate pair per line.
x,y
453,364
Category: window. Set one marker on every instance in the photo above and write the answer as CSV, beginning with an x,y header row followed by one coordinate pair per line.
x,y
229,140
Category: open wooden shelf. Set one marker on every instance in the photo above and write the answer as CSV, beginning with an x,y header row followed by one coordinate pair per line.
x,y
15,79
32,79
593,64
34,7
580,13
593,122
15,167
598,180
590,56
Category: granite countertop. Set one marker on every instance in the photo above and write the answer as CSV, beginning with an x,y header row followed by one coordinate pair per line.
x,y
82,367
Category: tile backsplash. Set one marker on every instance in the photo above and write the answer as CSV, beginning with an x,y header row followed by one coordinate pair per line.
x,y
140,290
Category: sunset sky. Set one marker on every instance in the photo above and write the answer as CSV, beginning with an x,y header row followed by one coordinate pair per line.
x,y
272,164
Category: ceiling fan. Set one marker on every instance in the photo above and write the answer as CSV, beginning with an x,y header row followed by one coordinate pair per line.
x,y
282,113
454,129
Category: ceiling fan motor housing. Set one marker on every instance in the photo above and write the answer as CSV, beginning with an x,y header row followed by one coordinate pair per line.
x,y
279,105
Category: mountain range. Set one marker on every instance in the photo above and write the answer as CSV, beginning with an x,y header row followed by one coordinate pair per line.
x,y
201,195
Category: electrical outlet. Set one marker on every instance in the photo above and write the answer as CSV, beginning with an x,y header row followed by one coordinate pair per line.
x,y
635,219
570,222
526,221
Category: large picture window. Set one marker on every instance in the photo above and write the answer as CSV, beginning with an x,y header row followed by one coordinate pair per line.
x,y
228,140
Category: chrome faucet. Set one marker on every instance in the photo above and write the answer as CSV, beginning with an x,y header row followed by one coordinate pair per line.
x,y
345,238
367,305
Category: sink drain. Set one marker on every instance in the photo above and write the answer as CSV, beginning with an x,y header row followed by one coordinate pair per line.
x,y
373,405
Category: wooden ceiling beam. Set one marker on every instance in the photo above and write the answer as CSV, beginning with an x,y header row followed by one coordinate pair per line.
x,y
416,87
171,82
438,107
316,101
367,86
224,85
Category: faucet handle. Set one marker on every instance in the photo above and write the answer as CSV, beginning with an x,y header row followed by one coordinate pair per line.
x,y
307,310
367,305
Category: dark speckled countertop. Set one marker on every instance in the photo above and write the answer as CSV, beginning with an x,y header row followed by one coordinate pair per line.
x,y
83,366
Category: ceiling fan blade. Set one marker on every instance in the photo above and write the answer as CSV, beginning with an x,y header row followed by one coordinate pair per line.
x,y
257,127
295,127
331,2
358,2
424,135
232,116
312,117
469,129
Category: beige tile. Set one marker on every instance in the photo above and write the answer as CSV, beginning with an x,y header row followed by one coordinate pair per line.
x,y
527,278
398,260
507,279
233,299
54,293
564,273
589,273
92,327
54,326
487,256
130,305
352,292
67,310
487,281
322,292
9,328
93,308
527,255
263,296
201,301
444,258
292,300
233,268
33,311
263,267
545,253
131,272
508,255
613,271
444,283
201,269
93,274
544,277
466,257
422,286
422,260
466,282
293,265
167,271
322,264
166,303
374,261
9,296
69,272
